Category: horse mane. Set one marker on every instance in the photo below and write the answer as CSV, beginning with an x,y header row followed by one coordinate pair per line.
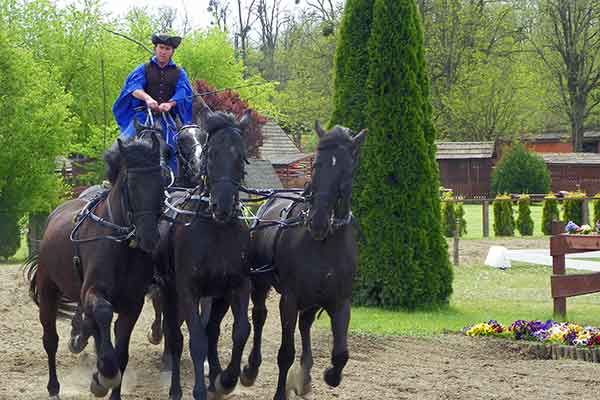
x,y
338,135
138,154
220,120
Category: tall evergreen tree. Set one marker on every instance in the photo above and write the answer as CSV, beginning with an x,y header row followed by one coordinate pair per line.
x,y
404,260
352,65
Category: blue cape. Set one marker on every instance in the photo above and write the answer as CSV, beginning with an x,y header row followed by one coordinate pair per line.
x,y
124,107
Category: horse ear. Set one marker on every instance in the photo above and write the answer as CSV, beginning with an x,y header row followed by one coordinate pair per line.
x,y
320,131
246,120
359,138
155,143
203,115
120,144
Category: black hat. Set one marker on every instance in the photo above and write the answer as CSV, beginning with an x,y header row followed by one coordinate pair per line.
x,y
161,38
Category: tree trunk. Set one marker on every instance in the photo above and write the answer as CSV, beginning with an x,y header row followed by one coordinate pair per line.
x,y
577,121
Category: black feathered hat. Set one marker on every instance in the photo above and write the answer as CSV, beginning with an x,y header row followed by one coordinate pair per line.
x,y
168,40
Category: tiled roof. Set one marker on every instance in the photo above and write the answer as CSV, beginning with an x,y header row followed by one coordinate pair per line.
x,y
260,174
464,150
571,158
276,143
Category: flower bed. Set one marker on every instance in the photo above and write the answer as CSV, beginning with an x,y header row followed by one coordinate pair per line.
x,y
549,339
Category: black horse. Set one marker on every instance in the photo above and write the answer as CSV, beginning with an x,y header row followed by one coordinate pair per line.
x,y
313,253
207,256
109,268
190,140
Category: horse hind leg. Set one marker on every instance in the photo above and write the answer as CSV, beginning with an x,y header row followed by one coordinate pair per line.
x,y
155,334
340,319
48,303
299,379
259,316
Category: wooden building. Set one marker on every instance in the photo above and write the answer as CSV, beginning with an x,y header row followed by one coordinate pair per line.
x,y
292,166
560,142
572,171
466,167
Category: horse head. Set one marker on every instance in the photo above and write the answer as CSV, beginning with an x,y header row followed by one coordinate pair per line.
x,y
330,190
223,162
134,167
147,132
191,140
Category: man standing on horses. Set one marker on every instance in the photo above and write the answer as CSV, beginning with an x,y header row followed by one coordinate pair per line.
x,y
162,87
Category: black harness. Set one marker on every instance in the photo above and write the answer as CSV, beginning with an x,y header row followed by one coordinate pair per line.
x,y
119,233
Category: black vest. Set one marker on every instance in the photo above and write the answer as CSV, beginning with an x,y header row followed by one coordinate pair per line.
x,y
161,83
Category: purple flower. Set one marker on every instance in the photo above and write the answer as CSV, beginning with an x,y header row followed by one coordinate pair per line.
x,y
570,337
571,227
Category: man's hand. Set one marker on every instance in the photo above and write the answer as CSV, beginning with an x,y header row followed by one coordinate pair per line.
x,y
152,104
166,107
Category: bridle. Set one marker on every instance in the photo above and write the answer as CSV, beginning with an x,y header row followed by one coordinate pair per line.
x,y
184,161
119,233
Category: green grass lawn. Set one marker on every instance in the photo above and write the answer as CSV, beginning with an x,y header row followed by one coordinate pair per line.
x,y
474,218
481,293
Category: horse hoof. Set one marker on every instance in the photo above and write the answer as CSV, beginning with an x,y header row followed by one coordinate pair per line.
x,y
110,382
96,387
220,389
295,379
166,365
214,396
77,345
54,397
247,378
154,338
331,378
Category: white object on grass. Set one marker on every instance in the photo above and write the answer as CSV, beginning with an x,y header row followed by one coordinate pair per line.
x,y
497,257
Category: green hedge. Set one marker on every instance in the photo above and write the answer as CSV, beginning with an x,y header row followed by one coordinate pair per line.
x,y
524,220
504,223
573,207
550,213
452,209
596,207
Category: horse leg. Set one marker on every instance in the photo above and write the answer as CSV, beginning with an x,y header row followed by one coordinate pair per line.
x,y
81,330
173,342
155,334
227,380
48,299
288,310
218,311
197,323
259,316
123,329
299,379
108,373
340,319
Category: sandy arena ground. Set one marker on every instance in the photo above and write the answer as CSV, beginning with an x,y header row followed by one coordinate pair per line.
x,y
440,367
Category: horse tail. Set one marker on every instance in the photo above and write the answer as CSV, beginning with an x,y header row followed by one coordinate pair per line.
x,y
30,269
66,306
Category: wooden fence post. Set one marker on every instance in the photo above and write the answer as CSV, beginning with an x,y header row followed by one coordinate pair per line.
x,y
455,242
486,218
